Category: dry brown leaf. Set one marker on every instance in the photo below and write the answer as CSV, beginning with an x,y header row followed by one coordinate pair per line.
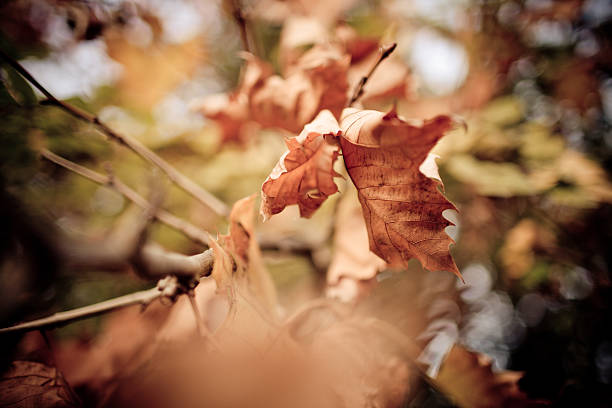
x,y
317,81
397,187
231,112
243,246
353,265
467,378
29,384
304,175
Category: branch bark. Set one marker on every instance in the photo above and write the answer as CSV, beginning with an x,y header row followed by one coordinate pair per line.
x,y
189,230
173,174
62,318
166,287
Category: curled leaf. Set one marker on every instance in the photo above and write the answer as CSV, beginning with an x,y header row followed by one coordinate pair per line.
x,y
304,175
398,190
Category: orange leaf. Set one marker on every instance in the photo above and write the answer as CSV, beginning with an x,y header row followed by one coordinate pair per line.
x,y
397,187
304,175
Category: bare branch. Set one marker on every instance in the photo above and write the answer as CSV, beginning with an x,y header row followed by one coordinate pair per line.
x,y
173,174
189,230
359,89
152,260
62,318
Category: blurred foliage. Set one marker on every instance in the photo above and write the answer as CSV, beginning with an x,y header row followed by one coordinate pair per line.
x,y
530,174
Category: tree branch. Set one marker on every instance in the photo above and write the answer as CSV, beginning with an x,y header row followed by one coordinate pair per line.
x,y
189,230
153,260
62,318
173,174
359,89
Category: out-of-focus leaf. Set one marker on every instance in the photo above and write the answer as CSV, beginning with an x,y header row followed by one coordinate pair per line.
x,y
29,384
489,178
353,265
21,89
518,252
468,379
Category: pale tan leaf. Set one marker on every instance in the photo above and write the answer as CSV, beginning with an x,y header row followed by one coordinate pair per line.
x,y
353,265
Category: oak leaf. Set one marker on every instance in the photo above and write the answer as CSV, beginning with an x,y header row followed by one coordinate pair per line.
x,y
304,175
385,157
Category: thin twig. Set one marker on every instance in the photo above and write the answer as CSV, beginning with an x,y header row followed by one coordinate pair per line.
x,y
173,174
359,89
62,318
189,230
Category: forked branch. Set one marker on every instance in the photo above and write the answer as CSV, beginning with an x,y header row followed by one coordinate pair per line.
x,y
189,230
173,174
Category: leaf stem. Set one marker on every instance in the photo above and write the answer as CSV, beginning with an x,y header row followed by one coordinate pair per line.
x,y
359,89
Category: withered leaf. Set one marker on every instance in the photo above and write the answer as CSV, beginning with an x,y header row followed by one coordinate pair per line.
x,y
468,379
243,246
304,175
398,188
31,384
231,111
353,266
318,80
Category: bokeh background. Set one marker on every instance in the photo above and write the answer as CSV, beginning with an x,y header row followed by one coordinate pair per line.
x,y
530,176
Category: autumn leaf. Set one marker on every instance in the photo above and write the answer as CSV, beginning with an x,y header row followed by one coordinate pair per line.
x,y
30,384
353,265
304,175
317,81
468,379
231,111
397,187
